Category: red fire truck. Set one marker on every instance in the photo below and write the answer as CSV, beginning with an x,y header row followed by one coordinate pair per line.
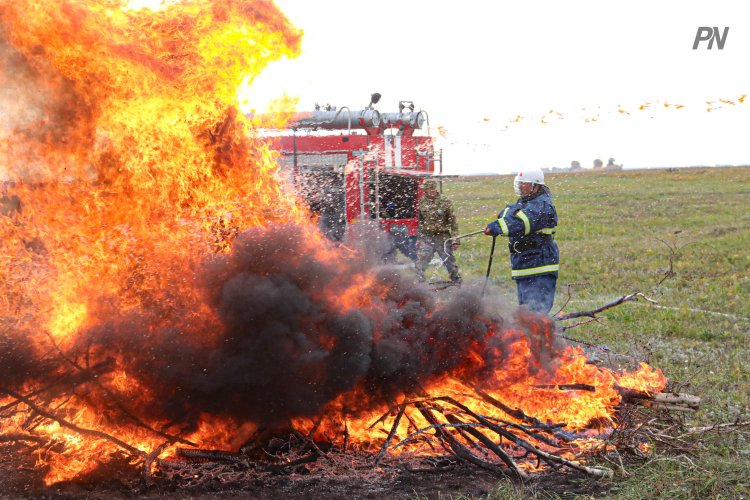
x,y
354,166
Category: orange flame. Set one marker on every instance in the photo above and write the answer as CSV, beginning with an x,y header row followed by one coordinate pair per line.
x,y
130,165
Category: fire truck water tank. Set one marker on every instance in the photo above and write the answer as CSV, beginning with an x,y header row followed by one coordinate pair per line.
x,y
337,120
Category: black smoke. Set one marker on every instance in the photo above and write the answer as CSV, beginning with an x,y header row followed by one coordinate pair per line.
x,y
285,347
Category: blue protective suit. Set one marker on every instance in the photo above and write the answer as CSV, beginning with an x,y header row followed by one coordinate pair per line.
x,y
530,226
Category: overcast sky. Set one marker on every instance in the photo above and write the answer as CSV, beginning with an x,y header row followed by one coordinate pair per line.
x,y
539,83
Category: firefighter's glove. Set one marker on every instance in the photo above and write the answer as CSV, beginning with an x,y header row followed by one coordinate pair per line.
x,y
493,229
455,244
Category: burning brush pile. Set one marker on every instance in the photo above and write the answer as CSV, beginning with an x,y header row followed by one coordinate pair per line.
x,y
164,296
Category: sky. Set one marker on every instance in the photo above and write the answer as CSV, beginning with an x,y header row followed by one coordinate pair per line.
x,y
510,85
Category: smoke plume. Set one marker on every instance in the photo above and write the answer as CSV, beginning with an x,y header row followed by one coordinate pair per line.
x,y
285,345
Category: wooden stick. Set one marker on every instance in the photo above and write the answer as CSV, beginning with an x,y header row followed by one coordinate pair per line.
x,y
115,399
80,430
346,434
520,415
276,468
390,435
592,314
729,426
68,382
459,450
310,443
213,455
677,399
592,471
146,469
566,387
496,449
666,407
530,431
431,427
660,399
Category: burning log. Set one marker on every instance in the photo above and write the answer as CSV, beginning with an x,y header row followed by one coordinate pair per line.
x,y
567,387
92,374
211,455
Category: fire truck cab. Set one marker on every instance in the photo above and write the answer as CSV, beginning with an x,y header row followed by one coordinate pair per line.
x,y
363,165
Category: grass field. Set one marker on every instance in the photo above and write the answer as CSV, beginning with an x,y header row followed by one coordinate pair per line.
x,y
619,232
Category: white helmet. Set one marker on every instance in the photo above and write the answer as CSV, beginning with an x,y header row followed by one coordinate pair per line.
x,y
531,175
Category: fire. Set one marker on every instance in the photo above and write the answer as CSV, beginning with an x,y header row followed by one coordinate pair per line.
x,y
162,273
646,379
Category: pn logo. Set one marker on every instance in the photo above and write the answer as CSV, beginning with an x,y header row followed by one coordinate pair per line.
x,y
706,34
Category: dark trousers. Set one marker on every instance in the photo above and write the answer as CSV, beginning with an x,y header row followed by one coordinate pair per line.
x,y
427,245
537,293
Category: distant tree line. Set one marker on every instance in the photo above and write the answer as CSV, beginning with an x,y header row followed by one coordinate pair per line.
x,y
576,165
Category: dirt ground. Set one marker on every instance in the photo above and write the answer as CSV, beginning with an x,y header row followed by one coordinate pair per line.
x,y
116,480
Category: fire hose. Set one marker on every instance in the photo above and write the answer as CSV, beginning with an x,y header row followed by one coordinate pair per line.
x,y
492,252
456,238
489,265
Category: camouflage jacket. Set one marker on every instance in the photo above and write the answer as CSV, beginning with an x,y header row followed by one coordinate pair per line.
x,y
436,217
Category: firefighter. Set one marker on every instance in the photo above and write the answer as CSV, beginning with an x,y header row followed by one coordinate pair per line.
x,y
436,223
530,226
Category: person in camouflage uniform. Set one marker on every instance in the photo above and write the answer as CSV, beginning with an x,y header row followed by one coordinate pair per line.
x,y
437,223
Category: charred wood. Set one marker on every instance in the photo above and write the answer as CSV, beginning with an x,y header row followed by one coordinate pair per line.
x,y
148,463
567,387
494,447
458,449
211,455
547,457
285,467
520,415
392,433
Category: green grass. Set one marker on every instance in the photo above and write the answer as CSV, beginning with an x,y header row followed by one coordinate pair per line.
x,y
615,232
